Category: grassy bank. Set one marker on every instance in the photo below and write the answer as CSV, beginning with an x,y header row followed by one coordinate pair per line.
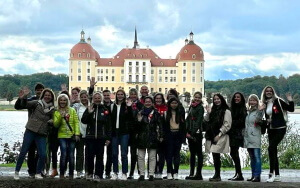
x,y
7,108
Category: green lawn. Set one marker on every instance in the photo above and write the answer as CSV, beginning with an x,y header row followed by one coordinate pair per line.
x,y
7,108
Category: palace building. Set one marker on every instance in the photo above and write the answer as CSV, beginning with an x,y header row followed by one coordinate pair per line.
x,y
135,67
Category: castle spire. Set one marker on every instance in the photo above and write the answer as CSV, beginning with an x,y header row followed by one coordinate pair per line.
x,y
136,44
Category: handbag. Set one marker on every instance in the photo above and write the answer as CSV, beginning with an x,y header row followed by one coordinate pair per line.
x,y
264,125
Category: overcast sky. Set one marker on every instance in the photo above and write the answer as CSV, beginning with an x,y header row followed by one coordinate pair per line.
x,y
239,38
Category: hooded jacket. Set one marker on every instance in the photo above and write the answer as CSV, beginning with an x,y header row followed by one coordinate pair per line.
x,y
61,122
38,121
98,123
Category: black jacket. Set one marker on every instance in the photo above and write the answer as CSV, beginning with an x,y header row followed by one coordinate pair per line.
x,y
125,116
98,123
277,120
149,130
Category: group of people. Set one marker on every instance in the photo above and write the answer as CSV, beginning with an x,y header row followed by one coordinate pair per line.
x,y
90,123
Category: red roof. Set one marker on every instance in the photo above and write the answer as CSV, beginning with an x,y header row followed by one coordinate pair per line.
x,y
83,49
190,51
132,53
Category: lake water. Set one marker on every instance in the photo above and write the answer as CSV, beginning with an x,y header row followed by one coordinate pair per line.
x,y
12,126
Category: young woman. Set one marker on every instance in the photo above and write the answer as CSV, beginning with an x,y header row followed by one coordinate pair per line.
x,y
217,139
238,113
149,135
80,156
75,101
276,116
252,138
133,123
175,136
194,135
66,120
121,113
98,134
36,128
161,106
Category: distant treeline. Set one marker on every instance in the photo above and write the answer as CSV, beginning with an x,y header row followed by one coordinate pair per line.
x,y
10,84
255,85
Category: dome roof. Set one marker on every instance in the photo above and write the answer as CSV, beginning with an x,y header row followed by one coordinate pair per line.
x,y
190,51
83,50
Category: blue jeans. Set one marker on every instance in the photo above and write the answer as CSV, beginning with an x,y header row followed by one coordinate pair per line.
x,y
255,158
40,141
67,147
123,141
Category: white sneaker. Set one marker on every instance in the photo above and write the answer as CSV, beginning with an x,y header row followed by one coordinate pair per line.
x,y
97,178
158,176
271,178
114,176
124,177
277,178
169,176
175,176
89,177
38,176
79,175
16,176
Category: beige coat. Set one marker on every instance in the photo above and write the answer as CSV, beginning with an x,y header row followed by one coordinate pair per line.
x,y
222,145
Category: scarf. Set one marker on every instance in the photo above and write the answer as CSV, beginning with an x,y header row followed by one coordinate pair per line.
x,y
46,106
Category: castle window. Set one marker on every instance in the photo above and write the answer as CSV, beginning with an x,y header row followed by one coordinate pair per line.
x,y
184,79
109,63
88,78
113,78
194,56
88,70
71,54
113,71
106,78
185,51
160,71
130,63
83,50
79,78
79,54
88,55
122,71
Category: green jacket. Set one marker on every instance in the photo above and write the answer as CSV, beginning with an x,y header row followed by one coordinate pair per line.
x,y
194,119
63,129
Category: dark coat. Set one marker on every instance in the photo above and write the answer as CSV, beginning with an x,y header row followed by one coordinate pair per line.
x,y
149,130
98,123
194,120
125,116
238,125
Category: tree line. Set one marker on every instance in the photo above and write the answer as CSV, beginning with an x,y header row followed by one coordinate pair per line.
x,y
10,84
255,85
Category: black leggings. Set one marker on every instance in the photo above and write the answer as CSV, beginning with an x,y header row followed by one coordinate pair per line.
x,y
217,163
275,136
234,153
196,149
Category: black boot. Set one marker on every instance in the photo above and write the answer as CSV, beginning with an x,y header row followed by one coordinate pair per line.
x,y
216,177
239,177
198,176
250,179
256,179
233,176
141,178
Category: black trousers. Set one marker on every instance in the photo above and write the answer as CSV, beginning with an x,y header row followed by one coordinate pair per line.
x,y
234,153
108,163
275,136
95,148
195,147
